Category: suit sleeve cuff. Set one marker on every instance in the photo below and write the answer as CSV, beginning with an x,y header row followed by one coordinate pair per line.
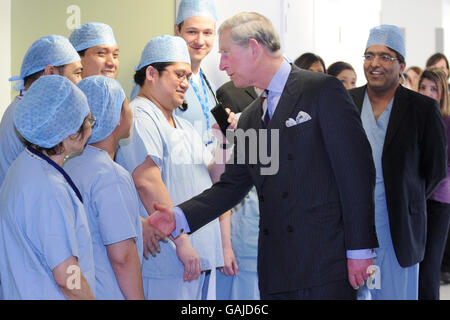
x,y
182,225
361,254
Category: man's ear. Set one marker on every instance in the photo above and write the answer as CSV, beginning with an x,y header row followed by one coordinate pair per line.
x,y
402,67
176,30
150,73
49,70
255,47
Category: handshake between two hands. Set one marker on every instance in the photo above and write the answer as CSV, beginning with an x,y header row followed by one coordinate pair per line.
x,y
163,219
159,225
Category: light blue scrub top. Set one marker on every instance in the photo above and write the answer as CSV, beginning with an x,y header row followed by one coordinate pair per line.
x,y
182,158
112,208
376,134
195,115
10,142
245,217
42,224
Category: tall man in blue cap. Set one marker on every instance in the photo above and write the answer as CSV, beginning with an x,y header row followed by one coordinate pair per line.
x,y
196,24
408,141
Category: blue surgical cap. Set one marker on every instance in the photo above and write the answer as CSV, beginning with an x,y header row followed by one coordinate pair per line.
x,y
195,8
92,34
53,109
164,48
389,36
51,50
105,97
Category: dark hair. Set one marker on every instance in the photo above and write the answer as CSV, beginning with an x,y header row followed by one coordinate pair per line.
x,y
59,148
306,60
81,53
401,59
140,75
336,68
28,80
436,58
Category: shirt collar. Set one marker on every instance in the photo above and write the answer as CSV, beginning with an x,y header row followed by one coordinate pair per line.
x,y
279,80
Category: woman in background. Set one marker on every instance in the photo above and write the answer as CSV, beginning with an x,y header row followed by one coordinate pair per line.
x,y
433,84
413,73
310,61
344,72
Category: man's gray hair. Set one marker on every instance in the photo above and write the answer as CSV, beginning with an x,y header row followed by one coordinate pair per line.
x,y
251,25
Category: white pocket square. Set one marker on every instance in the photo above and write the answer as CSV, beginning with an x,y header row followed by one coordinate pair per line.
x,y
301,117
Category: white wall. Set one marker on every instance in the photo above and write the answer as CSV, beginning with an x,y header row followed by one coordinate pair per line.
x,y
341,28
5,54
338,29
420,20
446,25
225,9
334,29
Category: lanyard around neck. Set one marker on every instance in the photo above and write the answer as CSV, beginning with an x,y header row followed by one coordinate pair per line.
x,y
57,167
204,103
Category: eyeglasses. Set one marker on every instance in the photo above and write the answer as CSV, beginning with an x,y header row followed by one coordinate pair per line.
x,y
384,57
92,121
181,76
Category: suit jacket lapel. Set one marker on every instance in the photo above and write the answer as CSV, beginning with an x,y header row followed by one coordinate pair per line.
x,y
288,101
399,109
358,97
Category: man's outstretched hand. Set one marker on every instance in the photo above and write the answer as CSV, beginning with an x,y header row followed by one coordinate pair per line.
x,y
162,219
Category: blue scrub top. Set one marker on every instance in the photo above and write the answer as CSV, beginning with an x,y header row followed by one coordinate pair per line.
x,y
42,224
113,211
195,115
10,142
376,134
182,158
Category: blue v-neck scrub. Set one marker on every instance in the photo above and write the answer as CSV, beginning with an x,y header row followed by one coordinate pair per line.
x,y
397,283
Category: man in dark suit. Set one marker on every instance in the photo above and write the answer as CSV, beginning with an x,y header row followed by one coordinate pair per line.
x,y
408,141
237,99
317,210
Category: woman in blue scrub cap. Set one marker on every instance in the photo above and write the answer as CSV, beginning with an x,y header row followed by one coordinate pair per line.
x,y
46,245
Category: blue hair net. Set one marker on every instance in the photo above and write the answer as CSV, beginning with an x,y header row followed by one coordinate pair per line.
x,y
164,48
389,36
105,97
92,34
195,8
51,50
53,109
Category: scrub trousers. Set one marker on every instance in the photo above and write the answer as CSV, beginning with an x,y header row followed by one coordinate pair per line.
x,y
392,281
204,288
243,286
